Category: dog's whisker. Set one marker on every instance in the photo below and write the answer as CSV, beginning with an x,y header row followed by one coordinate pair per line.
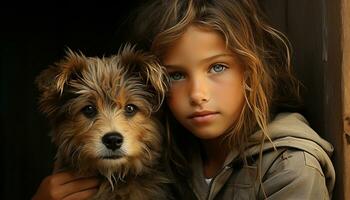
x,y
109,178
121,178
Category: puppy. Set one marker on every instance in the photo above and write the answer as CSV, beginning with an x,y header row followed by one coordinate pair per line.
x,y
102,112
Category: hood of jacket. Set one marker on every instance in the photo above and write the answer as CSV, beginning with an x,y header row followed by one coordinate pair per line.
x,y
292,130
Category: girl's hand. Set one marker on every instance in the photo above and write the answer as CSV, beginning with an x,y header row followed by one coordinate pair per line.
x,y
66,186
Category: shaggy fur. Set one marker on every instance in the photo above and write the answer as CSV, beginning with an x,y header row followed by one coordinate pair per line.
x,y
102,115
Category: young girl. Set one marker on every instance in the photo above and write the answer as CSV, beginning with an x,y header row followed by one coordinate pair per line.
x,y
231,112
234,132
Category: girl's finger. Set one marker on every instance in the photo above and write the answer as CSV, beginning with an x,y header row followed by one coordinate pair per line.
x,y
65,177
82,195
79,185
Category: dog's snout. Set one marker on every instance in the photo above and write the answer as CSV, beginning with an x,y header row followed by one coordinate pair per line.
x,y
112,140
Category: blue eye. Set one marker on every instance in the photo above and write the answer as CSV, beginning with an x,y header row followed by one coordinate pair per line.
x,y
176,76
217,68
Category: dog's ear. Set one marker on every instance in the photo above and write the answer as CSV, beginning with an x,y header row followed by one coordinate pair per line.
x,y
53,81
148,68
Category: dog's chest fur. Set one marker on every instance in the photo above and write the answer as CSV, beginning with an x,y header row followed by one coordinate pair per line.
x,y
145,187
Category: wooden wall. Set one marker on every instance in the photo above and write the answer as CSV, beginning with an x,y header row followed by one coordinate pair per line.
x,y
346,93
314,30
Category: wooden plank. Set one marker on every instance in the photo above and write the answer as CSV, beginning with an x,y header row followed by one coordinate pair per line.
x,y
346,92
346,64
333,93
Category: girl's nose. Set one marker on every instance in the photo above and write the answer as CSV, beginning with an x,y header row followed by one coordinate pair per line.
x,y
199,92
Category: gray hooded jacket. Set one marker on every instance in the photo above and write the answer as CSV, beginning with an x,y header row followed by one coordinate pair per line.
x,y
300,168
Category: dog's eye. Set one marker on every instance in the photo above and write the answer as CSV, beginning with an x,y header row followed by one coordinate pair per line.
x,y
89,111
130,109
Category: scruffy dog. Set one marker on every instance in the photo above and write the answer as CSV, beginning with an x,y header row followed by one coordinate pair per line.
x,y
102,112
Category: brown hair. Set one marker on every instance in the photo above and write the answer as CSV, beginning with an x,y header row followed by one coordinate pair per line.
x,y
269,83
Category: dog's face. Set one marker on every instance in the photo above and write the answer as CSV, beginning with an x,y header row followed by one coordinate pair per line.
x,y
102,110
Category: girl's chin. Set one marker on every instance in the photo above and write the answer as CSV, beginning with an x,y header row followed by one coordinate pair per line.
x,y
206,135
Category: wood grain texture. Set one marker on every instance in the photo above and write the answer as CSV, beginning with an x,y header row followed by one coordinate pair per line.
x,y
346,64
346,91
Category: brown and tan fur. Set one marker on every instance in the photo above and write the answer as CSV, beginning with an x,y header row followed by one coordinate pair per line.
x,y
87,98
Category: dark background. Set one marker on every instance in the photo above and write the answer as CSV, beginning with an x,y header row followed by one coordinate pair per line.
x,y
34,36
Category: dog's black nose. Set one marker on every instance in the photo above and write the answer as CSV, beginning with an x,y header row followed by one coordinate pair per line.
x,y
112,140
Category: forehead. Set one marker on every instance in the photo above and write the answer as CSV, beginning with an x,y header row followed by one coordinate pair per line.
x,y
196,43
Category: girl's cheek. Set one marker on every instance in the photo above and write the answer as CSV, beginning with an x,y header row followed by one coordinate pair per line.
x,y
174,97
173,90
177,93
171,102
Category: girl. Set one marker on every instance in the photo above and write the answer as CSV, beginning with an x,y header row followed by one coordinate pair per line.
x,y
231,113
233,127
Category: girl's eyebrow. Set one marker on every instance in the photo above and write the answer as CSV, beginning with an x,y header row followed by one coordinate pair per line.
x,y
210,58
204,60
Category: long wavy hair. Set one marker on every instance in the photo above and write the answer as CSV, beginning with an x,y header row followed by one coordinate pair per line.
x,y
269,84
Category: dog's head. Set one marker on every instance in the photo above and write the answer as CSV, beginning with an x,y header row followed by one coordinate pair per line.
x,y
101,110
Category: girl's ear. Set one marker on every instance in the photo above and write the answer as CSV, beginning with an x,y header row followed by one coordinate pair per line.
x,y
53,81
147,67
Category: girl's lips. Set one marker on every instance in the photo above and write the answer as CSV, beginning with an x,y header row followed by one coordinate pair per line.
x,y
203,117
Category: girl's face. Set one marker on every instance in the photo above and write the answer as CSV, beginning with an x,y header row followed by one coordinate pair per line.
x,y
206,92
